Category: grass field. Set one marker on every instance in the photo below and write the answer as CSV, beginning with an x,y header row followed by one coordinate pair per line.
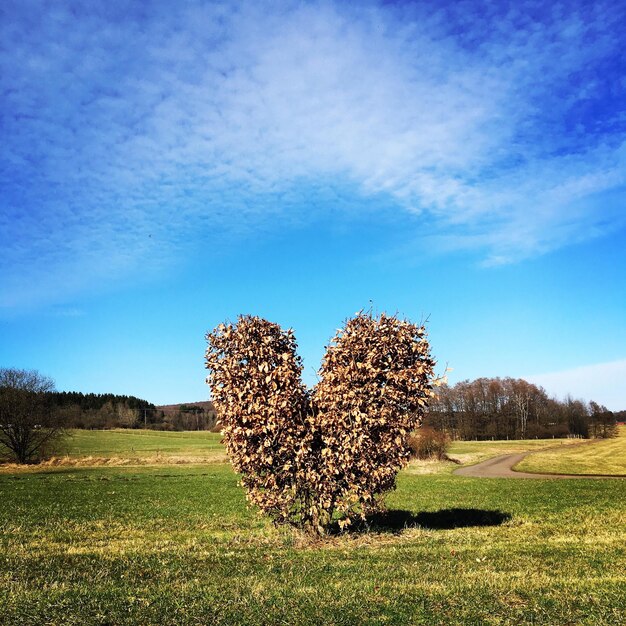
x,y
176,544
472,452
141,443
134,447
476,451
604,456
95,447
149,447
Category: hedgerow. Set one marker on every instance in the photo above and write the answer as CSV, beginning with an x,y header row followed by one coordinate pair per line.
x,y
313,457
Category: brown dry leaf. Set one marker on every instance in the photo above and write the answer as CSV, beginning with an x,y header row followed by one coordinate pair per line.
x,y
306,455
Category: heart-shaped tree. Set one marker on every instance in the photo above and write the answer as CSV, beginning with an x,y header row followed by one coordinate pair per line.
x,y
311,457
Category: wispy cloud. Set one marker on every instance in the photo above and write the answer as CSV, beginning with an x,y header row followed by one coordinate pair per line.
x,y
67,312
604,383
126,130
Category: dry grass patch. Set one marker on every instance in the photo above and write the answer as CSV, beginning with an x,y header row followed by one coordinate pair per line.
x,y
597,457
472,452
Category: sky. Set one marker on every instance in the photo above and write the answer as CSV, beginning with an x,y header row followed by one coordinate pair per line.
x,y
167,166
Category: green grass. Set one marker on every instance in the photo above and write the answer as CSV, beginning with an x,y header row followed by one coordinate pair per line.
x,y
86,448
141,443
604,456
97,447
163,545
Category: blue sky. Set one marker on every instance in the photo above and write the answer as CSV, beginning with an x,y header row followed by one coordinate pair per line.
x,y
165,168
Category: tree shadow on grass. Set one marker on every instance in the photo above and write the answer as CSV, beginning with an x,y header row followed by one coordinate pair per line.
x,y
396,520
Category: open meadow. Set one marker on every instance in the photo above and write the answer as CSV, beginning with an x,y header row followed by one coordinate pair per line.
x,y
607,456
157,540
122,443
143,446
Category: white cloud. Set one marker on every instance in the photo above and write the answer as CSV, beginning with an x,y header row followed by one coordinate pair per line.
x,y
605,383
123,133
67,312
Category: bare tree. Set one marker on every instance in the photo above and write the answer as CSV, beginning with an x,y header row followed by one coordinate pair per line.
x,y
500,408
602,422
27,426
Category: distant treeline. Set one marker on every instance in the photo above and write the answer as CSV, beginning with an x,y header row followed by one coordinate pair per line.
x,y
98,411
486,408
501,408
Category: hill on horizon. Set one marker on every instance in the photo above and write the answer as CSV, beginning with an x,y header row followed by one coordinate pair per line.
x,y
207,405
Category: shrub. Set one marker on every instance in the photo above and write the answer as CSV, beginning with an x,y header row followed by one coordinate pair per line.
x,y
308,457
373,391
429,443
263,408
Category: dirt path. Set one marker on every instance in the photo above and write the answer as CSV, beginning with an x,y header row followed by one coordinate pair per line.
x,y
501,467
